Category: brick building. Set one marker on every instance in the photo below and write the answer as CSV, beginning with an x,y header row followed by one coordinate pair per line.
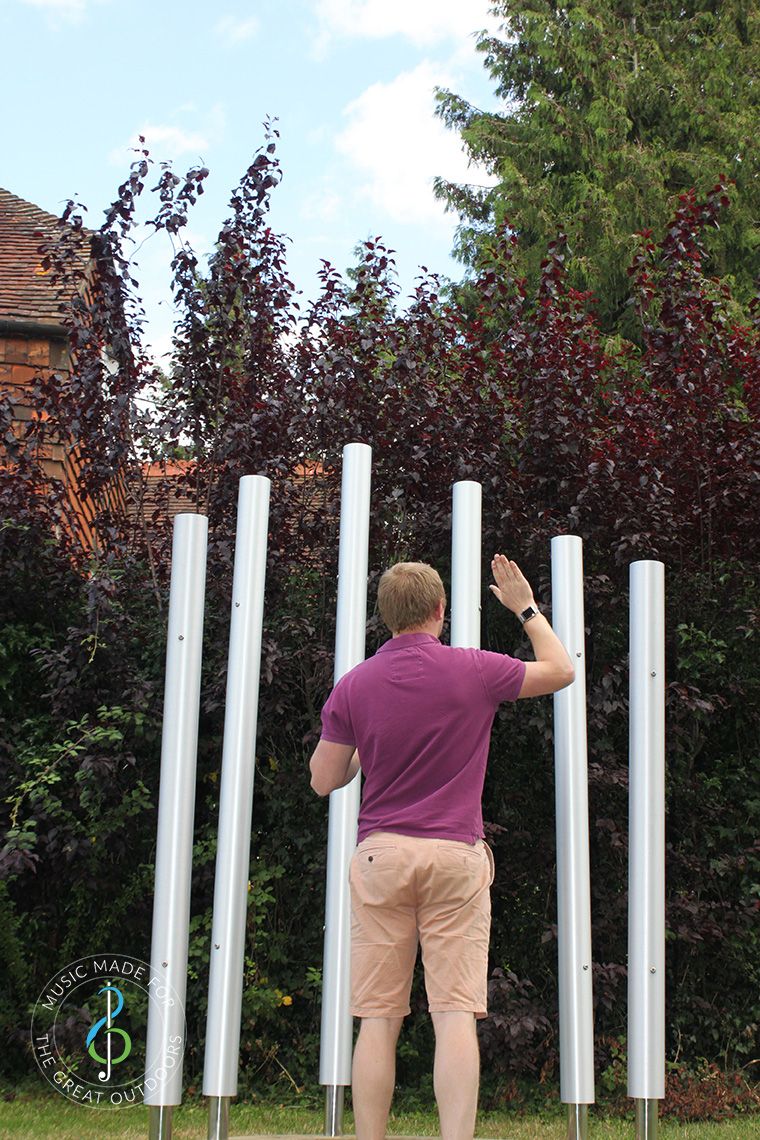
x,y
34,341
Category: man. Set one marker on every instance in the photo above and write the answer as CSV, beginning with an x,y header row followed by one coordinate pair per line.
x,y
419,714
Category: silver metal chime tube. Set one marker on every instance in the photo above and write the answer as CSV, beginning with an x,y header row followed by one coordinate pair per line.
x,y
646,846
225,991
350,637
466,542
573,875
176,808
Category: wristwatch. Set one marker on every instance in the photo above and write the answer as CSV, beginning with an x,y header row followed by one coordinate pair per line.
x,y
527,614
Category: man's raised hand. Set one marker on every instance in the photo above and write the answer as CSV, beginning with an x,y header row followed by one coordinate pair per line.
x,y
512,587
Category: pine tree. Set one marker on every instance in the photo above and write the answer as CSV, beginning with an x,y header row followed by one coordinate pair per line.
x,y
611,110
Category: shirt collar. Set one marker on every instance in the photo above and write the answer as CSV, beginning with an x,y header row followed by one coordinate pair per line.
x,y
404,640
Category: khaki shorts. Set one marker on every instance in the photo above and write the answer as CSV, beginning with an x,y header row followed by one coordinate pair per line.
x,y
435,892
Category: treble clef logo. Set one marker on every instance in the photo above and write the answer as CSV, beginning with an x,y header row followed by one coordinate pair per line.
x,y
109,1061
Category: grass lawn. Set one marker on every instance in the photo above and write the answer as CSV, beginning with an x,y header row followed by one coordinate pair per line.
x,y
53,1118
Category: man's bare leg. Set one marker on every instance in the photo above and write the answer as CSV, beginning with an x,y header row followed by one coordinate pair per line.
x,y
456,1073
374,1075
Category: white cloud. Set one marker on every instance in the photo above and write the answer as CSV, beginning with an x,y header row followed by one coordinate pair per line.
x,y
165,143
324,203
398,146
173,139
235,31
424,22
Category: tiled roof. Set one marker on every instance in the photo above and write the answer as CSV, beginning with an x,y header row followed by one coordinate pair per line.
x,y
26,293
164,494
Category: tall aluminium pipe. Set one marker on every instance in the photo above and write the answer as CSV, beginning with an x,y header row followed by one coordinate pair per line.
x,y
573,878
646,845
233,855
176,809
350,638
466,512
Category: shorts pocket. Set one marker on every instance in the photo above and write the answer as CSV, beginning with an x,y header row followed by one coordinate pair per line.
x,y
491,864
373,858
470,857
375,876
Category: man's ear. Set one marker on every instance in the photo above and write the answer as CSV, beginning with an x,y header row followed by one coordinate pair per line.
x,y
440,610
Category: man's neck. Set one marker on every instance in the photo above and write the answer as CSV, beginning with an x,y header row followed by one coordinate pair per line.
x,y
431,628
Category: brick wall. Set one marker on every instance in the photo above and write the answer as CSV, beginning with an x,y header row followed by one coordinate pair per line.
x,y
22,357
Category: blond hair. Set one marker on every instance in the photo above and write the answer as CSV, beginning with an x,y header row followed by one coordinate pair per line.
x,y
408,595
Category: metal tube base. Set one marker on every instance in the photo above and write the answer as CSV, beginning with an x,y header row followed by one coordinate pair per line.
x,y
334,1096
218,1117
646,1119
577,1122
160,1122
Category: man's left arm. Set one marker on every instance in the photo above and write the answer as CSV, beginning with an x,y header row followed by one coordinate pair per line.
x,y
332,766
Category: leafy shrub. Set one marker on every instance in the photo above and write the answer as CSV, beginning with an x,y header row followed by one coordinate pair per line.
x,y
705,1092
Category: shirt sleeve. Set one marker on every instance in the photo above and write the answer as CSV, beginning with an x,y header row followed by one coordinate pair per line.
x,y
502,675
336,717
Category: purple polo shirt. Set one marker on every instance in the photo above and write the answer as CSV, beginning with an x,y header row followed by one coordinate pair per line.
x,y
420,714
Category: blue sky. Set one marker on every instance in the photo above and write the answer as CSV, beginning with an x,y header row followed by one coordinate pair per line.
x,y
350,82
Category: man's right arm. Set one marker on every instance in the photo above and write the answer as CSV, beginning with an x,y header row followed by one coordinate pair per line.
x,y
332,766
552,670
